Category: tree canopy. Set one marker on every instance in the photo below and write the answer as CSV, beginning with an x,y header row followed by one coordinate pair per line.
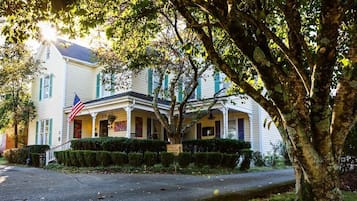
x,y
304,53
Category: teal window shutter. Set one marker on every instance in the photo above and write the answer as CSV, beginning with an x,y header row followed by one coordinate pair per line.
x,y
51,84
180,91
216,82
50,133
36,138
112,87
40,95
166,82
97,87
150,81
198,89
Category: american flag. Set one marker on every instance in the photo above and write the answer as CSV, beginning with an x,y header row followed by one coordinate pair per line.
x,y
77,107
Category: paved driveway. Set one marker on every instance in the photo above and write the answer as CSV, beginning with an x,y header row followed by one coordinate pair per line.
x,y
32,184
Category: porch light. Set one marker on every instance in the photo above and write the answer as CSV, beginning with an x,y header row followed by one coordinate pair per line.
x,y
111,119
210,115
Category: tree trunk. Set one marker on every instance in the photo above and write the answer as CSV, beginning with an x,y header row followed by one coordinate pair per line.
x,y
16,135
175,139
323,186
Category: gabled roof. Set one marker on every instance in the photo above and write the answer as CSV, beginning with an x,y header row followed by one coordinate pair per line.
x,y
75,51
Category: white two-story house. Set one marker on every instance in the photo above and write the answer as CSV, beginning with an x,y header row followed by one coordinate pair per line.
x,y
128,112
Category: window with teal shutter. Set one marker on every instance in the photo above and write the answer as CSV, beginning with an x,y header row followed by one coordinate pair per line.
x,y
166,82
50,133
51,84
216,82
97,88
150,81
198,89
36,136
40,95
180,91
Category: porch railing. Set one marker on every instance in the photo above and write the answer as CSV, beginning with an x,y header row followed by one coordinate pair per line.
x,y
50,154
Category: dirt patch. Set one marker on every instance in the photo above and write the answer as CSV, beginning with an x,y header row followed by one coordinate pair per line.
x,y
349,181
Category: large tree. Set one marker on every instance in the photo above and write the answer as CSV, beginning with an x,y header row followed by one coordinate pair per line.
x,y
17,69
304,52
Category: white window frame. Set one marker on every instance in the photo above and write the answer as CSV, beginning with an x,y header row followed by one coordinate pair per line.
x,y
44,131
46,87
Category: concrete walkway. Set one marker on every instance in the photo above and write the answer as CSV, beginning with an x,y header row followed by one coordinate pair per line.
x,y
33,184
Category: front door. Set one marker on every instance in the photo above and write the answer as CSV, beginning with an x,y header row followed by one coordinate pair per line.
x,y
77,131
103,128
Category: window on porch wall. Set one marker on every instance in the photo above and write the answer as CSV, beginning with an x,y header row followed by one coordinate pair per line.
x,y
44,131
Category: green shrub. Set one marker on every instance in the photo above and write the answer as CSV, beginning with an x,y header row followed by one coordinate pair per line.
x,y
214,159
59,157
200,159
80,158
184,159
16,155
90,158
35,159
215,145
258,159
150,158
103,158
135,159
167,158
119,158
118,144
38,148
73,158
247,156
67,158
229,160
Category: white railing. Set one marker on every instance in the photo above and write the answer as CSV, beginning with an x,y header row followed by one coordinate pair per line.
x,y
50,154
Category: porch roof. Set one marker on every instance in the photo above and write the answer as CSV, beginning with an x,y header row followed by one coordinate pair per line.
x,y
129,93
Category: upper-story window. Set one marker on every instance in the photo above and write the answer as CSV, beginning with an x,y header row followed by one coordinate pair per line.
x,y
221,84
46,83
105,85
154,82
186,88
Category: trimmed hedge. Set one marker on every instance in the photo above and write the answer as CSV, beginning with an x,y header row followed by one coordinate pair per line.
x,y
90,158
247,156
230,146
119,158
184,159
103,158
150,158
229,160
135,159
118,144
167,158
214,159
200,159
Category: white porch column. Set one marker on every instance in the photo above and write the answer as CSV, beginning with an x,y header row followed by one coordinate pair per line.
x,y
250,116
224,111
94,115
68,122
128,110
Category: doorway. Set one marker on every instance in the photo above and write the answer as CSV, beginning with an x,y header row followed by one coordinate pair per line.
x,y
77,131
103,128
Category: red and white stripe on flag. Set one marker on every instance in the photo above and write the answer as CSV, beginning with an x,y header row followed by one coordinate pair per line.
x,y
76,108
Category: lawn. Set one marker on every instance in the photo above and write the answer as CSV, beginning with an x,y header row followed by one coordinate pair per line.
x,y
3,161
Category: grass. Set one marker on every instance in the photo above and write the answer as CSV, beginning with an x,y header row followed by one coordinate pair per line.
x,y
3,161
